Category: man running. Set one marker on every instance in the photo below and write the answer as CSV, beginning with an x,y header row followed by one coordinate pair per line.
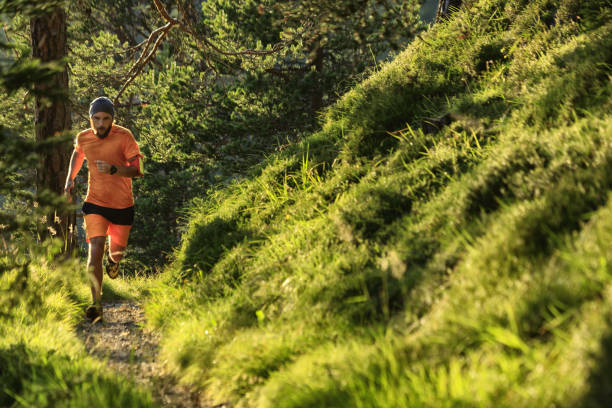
x,y
113,158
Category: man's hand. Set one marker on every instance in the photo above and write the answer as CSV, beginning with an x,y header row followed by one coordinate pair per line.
x,y
76,161
103,167
68,189
122,171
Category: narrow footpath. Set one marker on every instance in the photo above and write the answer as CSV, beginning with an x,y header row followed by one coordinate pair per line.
x,y
129,349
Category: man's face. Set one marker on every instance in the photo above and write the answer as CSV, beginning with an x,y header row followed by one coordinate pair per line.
x,y
101,123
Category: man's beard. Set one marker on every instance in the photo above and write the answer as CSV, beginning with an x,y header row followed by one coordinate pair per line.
x,y
103,135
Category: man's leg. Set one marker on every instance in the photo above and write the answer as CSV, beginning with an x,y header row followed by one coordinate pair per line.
x,y
94,266
96,229
119,235
115,251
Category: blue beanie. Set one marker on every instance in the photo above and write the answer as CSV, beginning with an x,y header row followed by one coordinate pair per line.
x,y
101,104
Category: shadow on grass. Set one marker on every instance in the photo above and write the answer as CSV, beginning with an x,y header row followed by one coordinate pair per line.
x,y
209,242
600,380
14,363
110,294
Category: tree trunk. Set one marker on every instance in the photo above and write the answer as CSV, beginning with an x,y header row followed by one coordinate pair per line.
x,y
316,57
52,118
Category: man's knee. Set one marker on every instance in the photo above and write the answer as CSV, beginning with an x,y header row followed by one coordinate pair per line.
x,y
96,248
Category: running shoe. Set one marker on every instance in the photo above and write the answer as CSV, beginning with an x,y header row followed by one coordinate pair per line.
x,y
94,312
112,268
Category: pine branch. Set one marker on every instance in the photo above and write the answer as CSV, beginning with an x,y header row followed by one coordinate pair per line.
x,y
156,37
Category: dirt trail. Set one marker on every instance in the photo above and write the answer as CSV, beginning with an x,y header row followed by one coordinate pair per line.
x,y
132,351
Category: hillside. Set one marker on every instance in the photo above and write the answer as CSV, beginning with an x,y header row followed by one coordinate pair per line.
x,y
443,240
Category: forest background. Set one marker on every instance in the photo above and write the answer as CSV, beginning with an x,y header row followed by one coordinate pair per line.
x,y
202,118
374,212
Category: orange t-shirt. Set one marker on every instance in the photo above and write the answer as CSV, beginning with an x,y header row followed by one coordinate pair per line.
x,y
106,190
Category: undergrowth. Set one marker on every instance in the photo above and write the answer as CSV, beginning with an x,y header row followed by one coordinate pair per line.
x,y
441,241
42,361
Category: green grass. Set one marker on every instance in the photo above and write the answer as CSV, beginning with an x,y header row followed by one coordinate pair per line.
x,y
385,262
43,362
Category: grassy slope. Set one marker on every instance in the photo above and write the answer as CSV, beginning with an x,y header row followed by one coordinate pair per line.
x,y
42,362
378,265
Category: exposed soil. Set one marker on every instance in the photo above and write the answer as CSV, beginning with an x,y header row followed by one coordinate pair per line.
x,y
121,341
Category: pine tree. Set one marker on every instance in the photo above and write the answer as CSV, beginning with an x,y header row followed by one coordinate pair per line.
x,y
52,117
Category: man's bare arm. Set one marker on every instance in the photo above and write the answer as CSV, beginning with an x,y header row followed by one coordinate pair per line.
x,y
76,162
124,171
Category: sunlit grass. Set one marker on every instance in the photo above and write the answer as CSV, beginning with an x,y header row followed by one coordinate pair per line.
x,y
127,288
44,363
440,242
